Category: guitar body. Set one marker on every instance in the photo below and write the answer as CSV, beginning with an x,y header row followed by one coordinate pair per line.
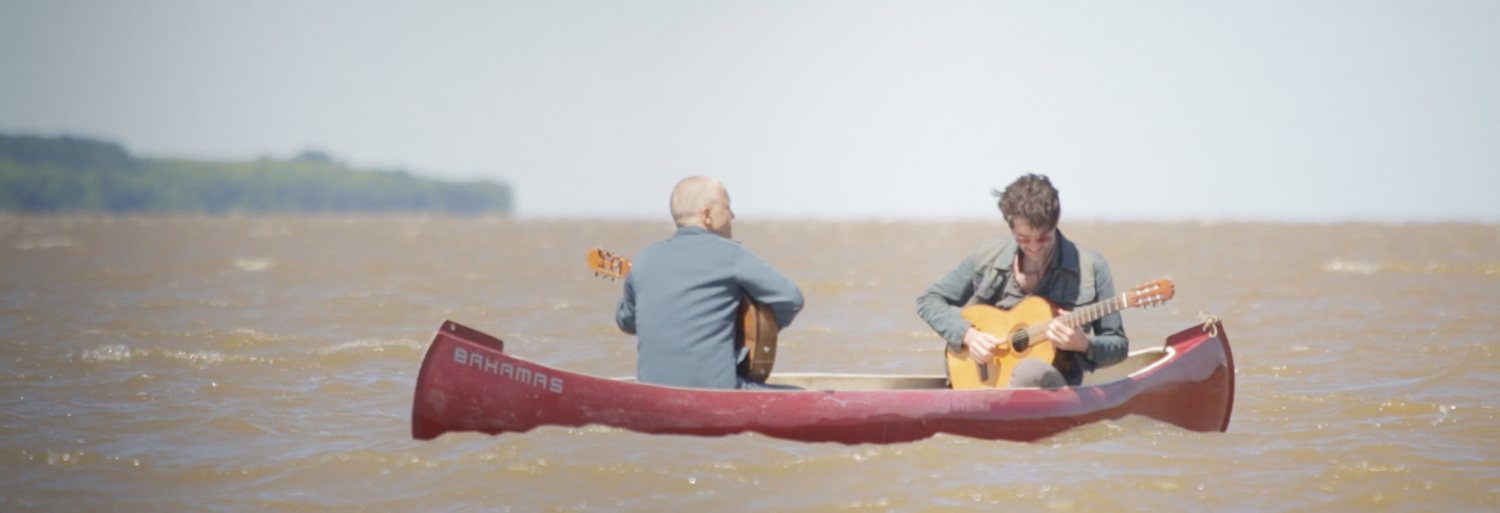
x,y
756,325
1010,326
757,330
1022,331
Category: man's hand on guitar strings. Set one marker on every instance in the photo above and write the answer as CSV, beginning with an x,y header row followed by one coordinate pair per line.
x,y
982,346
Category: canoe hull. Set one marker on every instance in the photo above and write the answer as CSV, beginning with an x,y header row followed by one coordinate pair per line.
x,y
468,383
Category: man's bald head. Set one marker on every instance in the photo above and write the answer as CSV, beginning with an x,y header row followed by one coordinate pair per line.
x,y
691,196
703,202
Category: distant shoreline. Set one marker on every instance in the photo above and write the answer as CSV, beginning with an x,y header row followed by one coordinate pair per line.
x,y
80,175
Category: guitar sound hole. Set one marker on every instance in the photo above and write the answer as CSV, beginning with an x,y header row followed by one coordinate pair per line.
x,y
1021,341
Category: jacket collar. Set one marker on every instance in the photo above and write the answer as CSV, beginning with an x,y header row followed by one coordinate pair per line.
x,y
692,230
1065,258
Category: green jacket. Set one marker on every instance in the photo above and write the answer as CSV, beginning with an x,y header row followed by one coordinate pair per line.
x,y
1078,278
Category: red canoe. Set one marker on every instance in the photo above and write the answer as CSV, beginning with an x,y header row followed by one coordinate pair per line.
x,y
468,383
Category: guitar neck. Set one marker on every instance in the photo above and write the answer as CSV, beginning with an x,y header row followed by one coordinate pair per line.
x,y
1085,315
1149,294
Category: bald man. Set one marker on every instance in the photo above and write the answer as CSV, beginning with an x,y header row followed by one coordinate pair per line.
x,y
683,293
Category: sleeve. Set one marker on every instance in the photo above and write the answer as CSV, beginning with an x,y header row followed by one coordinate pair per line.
x,y
939,306
1109,345
625,312
768,287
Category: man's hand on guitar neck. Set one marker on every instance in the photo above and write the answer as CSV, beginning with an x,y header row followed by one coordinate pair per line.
x,y
1066,337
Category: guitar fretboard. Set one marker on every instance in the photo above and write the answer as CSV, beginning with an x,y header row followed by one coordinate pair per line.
x,y
1075,318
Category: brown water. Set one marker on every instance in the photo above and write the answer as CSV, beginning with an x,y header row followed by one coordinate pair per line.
x,y
267,364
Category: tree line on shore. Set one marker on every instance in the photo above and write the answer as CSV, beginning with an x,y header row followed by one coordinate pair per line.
x,y
69,174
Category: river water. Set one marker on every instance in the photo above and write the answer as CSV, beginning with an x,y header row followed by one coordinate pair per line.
x,y
183,363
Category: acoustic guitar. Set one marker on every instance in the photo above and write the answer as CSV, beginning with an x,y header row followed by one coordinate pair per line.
x,y
755,324
1023,332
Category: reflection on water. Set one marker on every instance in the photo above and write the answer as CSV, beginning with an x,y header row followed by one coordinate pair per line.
x,y
267,363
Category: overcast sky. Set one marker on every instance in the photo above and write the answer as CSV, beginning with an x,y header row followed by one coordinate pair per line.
x,y
1267,110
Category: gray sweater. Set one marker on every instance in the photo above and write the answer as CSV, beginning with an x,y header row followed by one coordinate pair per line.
x,y
681,300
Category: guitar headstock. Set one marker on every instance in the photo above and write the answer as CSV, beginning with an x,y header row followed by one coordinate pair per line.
x,y
607,264
1151,294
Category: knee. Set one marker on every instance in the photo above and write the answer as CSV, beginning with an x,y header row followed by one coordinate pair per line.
x,y
1037,374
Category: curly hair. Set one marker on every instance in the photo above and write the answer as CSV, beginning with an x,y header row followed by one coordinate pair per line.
x,y
1030,197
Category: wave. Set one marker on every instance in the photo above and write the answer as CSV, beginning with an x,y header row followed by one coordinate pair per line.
x,y
1366,267
372,345
123,352
109,353
350,351
44,242
214,357
253,265
250,337
1338,265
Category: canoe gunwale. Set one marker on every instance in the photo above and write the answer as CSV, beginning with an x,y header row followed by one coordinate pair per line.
x,y
1158,355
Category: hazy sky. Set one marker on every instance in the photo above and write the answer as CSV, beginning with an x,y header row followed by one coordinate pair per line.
x,y
1264,110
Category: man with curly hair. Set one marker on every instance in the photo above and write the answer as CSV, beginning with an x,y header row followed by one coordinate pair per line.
x,y
1035,260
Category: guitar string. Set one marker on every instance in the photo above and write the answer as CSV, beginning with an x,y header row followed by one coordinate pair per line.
x,y
1074,319
1090,313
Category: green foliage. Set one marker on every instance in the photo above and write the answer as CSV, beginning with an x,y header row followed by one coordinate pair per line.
x,y
66,153
79,175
